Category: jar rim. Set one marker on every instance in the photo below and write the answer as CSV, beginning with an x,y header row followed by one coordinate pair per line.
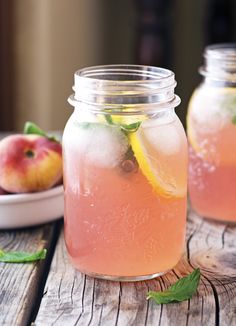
x,y
152,72
220,63
124,87
124,109
226,51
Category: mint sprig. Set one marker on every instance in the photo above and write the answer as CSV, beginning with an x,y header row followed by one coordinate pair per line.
x,y
233,120
109,119
126,128
182,290
132,127
229,103
32,128
22,256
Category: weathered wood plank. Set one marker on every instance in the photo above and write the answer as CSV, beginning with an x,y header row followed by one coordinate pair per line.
x,y
72,298
20,283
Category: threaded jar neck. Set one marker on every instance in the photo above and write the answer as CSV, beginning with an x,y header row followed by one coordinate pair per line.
x,y
220,62
125,89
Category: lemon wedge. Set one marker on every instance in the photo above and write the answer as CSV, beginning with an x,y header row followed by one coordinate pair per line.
x,y
156,164
209,111
190,130
157,171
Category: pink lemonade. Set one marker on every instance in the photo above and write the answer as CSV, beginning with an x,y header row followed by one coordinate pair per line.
x,y
125,196
212,138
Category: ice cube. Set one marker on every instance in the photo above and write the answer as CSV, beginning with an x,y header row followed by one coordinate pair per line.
x,y
100,144
207,111
164,138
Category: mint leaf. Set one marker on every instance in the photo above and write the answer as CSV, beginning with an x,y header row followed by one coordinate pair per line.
x,y
21,256
233,120
130,127
32,128
127,128
182,290
229,103
109,119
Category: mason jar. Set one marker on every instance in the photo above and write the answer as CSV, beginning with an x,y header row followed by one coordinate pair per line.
x,y
211,130
125,173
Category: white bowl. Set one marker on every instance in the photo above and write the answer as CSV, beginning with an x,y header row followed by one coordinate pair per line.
x,y
23,210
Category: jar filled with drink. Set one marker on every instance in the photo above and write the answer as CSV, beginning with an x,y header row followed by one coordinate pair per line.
x,y
125,173
211,126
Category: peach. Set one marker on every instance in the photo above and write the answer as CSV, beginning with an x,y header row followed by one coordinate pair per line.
x,y
29,163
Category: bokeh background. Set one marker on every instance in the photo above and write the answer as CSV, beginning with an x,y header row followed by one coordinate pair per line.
x,y
44,42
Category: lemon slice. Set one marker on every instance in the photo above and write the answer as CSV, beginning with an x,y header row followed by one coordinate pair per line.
x,y
155,171
211,115
190,130
162,173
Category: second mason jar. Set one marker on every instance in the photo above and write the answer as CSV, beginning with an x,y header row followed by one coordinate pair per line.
x,y
125,173
212,136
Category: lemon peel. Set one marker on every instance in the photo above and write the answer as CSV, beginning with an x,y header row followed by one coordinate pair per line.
x,y
159,186
192,137
141,155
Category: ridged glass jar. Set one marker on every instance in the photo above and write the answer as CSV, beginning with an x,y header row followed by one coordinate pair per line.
x,y
125,173
212,136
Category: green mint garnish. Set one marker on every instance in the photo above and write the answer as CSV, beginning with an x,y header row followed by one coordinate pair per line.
x,y
233,120
21,256
182,290
230,105
109,119
131,127
32,128
126,128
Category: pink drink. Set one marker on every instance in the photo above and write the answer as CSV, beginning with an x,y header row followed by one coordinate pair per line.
x,y
212,138
125,174
115,222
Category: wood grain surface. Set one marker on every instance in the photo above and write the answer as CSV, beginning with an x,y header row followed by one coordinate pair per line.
x,y
71,298
20,283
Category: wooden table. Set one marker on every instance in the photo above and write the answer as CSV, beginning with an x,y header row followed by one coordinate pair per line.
x,y
52,292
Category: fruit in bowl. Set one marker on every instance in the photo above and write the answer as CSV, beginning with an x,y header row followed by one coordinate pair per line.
x,y
30,162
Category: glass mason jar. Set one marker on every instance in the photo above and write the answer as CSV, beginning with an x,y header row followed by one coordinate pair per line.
x,y
211,126
125,173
